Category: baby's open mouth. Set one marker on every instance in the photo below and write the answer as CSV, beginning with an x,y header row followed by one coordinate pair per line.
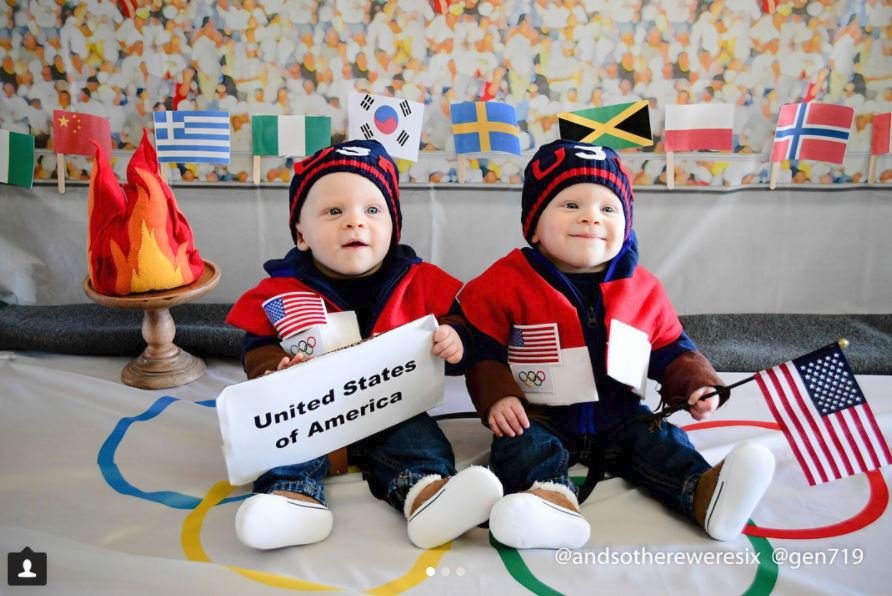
x,y
355,244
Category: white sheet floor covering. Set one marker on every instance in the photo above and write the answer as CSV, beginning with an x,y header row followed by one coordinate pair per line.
x,y
122,489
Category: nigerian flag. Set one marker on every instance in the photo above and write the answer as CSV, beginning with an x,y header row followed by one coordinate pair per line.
x,y
16,158
292,136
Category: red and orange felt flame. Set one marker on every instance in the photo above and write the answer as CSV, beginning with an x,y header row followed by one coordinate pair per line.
x,y
138,240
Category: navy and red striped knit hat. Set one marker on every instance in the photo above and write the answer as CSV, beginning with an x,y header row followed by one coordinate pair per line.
x,y
563,163
369,159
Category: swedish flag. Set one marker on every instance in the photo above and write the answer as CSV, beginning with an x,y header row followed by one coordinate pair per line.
x,y
484,127
618,126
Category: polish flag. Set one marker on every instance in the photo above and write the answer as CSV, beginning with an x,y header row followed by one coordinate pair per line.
x,y
692,127
879,143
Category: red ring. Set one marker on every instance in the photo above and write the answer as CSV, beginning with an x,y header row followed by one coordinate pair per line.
x,y
872,511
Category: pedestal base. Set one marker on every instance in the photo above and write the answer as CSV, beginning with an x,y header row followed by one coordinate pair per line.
x,y
163,373
162,364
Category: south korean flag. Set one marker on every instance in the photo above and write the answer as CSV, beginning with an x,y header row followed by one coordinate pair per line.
x,y
394,122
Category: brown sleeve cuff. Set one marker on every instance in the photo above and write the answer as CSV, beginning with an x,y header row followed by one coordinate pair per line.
x,y
259,360
687,373
488,381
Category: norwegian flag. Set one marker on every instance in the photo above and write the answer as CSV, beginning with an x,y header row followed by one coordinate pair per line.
x,y
822,411
817,131
534,344
293,312
879,141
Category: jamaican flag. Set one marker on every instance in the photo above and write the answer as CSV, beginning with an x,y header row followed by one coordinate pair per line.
x,y
618,126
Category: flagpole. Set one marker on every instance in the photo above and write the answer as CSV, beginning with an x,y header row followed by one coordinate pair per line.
x,y
656,417
670,169
872,170
60,172
775,172
256,173
462,169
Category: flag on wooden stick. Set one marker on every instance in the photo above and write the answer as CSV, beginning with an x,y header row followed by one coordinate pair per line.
x,y
393,122
879,142
619,126
485,127
73,131
16,159
291,136
696,127
824,415
816,131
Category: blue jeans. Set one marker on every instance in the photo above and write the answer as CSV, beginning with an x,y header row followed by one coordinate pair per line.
x,y
392,461
663,462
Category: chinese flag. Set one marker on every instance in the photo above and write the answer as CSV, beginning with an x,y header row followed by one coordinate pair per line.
x,y
73,131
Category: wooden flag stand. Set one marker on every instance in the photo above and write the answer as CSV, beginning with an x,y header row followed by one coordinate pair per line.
x,y
670,170
775,173
462,166
255,173
60,172
872,170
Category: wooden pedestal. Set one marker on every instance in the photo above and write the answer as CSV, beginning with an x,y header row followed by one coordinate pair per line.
x,y
162,364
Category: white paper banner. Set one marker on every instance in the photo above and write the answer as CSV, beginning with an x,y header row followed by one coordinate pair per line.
x,y
628,355
328,402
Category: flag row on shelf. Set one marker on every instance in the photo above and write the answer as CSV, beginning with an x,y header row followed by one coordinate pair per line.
x,y
805,131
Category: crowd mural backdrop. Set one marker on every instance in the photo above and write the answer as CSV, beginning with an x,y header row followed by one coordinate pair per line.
x,y
125,60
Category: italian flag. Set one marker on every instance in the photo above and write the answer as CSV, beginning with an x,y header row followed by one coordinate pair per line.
x,y
695,127
292,136
16,159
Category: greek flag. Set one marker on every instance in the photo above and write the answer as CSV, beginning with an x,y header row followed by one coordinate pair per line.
x,y
192,137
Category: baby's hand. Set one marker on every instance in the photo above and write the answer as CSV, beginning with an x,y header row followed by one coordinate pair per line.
x,y
447,344
287,362
701,410
507,417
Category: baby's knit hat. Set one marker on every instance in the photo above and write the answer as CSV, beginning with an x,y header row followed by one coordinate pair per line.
x,y
366,158
563,163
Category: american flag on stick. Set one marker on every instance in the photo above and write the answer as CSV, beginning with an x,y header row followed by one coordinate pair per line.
x,y
534,344
823,413
294,312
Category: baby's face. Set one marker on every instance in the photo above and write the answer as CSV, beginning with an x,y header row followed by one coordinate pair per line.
x,y
582,228
345,223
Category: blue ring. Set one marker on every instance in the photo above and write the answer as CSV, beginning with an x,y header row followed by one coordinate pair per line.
x,y
115,479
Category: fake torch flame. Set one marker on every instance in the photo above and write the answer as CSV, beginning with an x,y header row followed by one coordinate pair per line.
x,y
138,240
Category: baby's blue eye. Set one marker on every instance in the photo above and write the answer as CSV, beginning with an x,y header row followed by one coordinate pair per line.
x,y
374,210
334,211
610,209
571,205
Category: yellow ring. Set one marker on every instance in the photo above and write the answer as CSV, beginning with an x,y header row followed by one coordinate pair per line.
x,y
190,538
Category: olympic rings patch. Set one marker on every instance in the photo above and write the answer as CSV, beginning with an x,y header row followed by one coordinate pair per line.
x,y
532,378
305,345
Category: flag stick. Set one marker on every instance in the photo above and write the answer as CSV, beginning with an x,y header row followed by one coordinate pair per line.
x,y
872,170
666,412
162,171
462,169
775,172
256,173
670,169
60,172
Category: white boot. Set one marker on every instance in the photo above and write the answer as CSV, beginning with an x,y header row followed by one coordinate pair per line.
x,y
460,504
268,521
743,479
525,520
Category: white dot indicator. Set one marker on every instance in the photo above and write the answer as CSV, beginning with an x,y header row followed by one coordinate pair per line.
x,y
460,571
430,571
444,571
